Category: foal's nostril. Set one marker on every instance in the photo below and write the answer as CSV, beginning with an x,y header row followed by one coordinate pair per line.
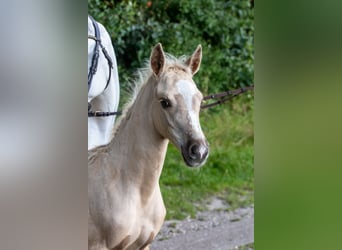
x,y
195,154
194,151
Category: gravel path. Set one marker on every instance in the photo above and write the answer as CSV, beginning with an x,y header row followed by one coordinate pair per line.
x,y
215,229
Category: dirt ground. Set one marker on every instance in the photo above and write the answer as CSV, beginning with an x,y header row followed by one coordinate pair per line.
x,y
214,229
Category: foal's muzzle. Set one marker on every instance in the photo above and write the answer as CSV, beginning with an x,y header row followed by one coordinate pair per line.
x,y
195,153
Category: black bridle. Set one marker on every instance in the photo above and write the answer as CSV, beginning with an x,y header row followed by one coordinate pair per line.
x,y
95,59
94,63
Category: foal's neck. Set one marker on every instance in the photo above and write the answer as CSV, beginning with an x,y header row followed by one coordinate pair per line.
x,y
138,142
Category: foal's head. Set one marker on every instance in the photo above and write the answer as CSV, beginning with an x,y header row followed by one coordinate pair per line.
x,y
176,105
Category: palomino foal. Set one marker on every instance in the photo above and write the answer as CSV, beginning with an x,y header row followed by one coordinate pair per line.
x,y
126,209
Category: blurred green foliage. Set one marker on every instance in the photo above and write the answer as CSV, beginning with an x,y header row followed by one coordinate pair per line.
x,y
224,28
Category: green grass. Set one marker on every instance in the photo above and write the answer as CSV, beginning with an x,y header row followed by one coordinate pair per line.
x,y
245,247
228,172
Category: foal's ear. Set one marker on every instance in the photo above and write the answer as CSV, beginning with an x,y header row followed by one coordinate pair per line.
x,y
157,59
194,61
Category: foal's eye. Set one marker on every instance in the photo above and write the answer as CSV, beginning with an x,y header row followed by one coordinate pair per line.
x,y
165,103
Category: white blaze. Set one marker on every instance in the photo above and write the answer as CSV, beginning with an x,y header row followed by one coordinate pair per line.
x,y
187,89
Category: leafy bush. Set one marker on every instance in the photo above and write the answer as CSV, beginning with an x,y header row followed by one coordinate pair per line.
x,y
224,28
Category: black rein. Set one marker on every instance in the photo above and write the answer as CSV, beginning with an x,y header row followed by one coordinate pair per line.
x,y
101,114
222,96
